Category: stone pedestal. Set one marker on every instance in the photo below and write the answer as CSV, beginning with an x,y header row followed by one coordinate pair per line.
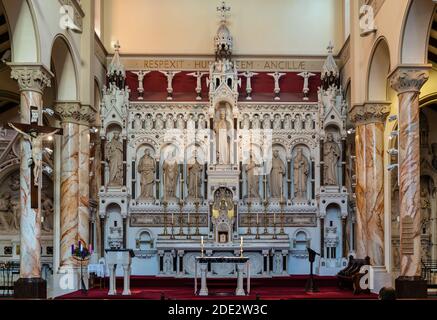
x,y
203,271
411,288
240,283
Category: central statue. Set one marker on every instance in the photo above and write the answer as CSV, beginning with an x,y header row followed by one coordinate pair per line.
x,y
222,135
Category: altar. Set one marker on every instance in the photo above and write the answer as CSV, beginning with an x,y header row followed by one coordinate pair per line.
x,y
240,262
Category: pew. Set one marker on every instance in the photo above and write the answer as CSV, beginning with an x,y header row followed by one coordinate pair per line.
x,y
350,276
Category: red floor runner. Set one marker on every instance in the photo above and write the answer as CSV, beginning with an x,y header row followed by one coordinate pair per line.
x,y
282,288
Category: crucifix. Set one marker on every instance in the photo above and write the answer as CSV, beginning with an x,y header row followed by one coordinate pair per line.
x,y
223,9
35,134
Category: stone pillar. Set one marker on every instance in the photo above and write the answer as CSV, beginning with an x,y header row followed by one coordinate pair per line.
x,y
74,177
369,143
407,81
32,80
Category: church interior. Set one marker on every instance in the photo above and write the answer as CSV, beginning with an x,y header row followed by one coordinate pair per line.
x,y
206,149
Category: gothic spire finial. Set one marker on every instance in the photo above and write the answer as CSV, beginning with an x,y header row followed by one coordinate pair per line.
x,y
117,46
330,47
223,9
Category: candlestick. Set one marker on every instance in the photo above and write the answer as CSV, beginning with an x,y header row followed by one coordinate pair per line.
x,y
241,247
201,246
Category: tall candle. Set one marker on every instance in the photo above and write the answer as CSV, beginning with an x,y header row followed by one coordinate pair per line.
x,y
257,218
201,240
241,241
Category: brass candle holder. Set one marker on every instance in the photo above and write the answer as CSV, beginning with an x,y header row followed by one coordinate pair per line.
x,y
249,218
165,232
265,218
197,203
181,218
282,218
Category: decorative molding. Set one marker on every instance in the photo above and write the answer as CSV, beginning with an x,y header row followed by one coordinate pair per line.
x,y
370,112
31,77
74,112
78,12
409,78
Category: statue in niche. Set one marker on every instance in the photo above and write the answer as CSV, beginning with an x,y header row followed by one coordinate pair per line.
x,y
169,122
278,263
138,122
47,213
159,123
147,169
201,123
191,123
277,122
148,123
287,122
5,208
168,263
114,157
300,175
171,175
331,155
308,122
16,215
298,122
396,257
180,122
256,123
245,123
195,171
277,174
266,122
222,134
425,211
252,178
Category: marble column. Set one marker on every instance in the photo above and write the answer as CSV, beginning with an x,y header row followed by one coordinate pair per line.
x,y
74,177
32,80
369,137
407,81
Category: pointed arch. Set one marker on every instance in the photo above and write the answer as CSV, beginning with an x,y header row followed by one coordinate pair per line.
x,y
378,70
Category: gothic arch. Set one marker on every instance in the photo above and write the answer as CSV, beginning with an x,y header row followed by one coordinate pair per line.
x,y
25,42
378,70
415,32
65,70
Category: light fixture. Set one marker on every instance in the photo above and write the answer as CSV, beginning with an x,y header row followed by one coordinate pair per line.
x,y
350,131
393,152
94,130
50,138
391,167
49,111
393,117
47,169
394,134
48,150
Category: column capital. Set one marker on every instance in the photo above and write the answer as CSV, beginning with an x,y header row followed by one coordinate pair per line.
x,y
370,112
31,77
74,112
409,78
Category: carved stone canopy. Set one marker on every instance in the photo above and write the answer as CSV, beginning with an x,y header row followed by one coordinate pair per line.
x,y
31,77
409,78
74,112
370,112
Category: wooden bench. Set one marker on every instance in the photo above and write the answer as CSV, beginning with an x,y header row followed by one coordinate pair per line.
x,y
350,276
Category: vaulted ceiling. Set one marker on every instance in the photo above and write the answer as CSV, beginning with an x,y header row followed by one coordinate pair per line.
x,y
432,48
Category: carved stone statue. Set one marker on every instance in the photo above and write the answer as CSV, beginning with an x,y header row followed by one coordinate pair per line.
x,y
266,122
159,123
5,208
114,157
191,124
148,123
245,123
308,122
277,122
222,129
47,213
169,122
180,122
425,211
168,263
171,175
331,155
147,168
287,122
16,215
276,175
195,171
256,123
278,263
252,178
201,123
300,175
298,122
138,122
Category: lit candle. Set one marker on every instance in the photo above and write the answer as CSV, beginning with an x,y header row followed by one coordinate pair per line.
x,y
172,218
201,240
257,218
274,217
241,241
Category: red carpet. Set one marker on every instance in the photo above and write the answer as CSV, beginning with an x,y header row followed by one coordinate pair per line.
x,y
282,288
